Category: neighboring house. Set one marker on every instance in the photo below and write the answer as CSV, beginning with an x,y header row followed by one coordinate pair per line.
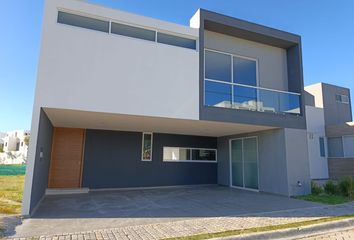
x,y
14,147
330,131
126,101
2,135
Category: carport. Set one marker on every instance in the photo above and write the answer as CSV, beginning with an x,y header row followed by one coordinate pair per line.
x,y
121,208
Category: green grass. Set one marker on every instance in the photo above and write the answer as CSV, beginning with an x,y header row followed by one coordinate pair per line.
x,y
12,170
325,198
261,229
11,191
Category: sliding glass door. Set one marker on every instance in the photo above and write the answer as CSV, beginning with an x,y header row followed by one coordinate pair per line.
x,y
244,162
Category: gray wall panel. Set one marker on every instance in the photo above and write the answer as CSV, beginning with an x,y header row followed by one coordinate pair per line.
x,y
272,161
41,165
335,112
298,166
113,160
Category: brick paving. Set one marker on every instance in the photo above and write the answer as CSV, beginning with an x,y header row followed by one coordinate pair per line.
x,y
339,235
210,224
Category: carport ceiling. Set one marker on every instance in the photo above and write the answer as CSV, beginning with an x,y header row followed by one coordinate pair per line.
x,y
122,122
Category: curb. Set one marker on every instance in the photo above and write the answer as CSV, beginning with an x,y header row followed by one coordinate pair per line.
x,y
300,232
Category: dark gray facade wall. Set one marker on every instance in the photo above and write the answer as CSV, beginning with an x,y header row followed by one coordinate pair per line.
x,y
113,160
41,165
272,161
335,112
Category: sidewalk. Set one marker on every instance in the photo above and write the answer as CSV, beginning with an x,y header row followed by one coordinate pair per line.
x,y
209,225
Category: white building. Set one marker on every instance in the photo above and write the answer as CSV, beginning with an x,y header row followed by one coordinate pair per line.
x,y
14,147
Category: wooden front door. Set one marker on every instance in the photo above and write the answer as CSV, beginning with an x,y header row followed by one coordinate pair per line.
x,y
67,154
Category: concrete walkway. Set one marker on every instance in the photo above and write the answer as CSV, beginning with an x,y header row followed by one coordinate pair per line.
x,y
157,214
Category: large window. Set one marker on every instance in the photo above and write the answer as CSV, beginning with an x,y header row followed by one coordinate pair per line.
x,y
231,82
182,154
146,154
341,146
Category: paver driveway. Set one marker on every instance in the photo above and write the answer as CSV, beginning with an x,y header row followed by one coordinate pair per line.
x,y
115,209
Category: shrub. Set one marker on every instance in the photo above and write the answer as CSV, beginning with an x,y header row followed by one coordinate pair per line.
x,y
331,188
346,187
315,188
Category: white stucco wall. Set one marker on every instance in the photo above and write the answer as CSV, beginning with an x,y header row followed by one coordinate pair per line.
x,y
272,63
90,70
315,130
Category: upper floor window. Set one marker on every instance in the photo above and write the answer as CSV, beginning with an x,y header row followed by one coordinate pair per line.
x,y
135,32
342,98
176,40
231,81
84,22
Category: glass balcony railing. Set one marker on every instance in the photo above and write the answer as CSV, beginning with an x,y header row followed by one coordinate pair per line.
x,y
244,97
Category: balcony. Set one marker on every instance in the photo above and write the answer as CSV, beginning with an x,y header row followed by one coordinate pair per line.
x,y
245,97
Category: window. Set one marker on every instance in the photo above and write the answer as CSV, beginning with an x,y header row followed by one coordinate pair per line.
x,y
335,147
147,147
244,71
348,146
182,154
84,22
5,144
217,94
322,147
21,144
131,31
342,98
217,66
176,40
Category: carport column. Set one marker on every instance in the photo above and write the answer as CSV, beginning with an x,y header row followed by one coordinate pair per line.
x,y
31,157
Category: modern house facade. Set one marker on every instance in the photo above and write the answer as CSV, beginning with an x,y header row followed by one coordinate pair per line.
x,y
330,131
126,101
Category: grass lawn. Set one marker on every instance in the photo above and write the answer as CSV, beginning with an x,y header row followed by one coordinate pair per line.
x,y
11,188
325,198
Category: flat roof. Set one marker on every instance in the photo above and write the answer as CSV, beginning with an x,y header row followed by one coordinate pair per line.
x,y
220,23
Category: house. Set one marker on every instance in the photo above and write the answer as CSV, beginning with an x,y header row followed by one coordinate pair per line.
x,y
127,101
330,131
14,147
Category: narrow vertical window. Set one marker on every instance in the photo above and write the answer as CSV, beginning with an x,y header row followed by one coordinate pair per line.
x,y
147,147
322,147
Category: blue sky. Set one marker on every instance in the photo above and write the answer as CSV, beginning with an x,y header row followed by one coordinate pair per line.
x,y
326,27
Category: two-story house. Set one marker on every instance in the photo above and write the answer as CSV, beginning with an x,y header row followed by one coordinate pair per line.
x,y
330,131
127,101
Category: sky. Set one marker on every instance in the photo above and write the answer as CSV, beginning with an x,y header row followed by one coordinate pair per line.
x,y
326,28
